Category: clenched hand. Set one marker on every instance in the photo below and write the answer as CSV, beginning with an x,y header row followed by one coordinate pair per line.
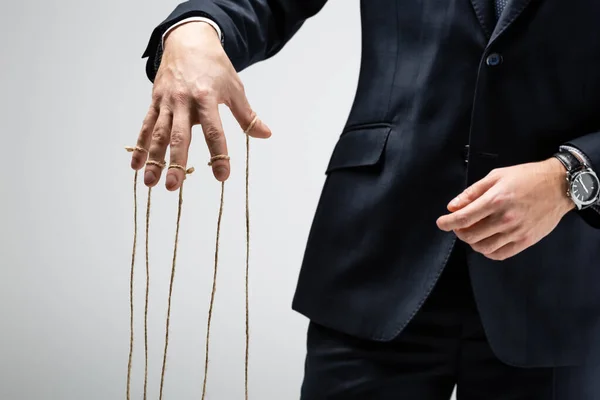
x,y
194,77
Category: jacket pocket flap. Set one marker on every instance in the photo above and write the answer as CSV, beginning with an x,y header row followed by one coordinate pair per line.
x,y
359,147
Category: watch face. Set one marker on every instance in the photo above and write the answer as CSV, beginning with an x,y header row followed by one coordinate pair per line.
x,y
585,187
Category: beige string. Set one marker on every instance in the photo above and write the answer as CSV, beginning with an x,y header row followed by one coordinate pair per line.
x,y
247,288
214,287
162,376
147,293
214,291
247,360
159,164
217,158
131,286
177,166
131,280
131,337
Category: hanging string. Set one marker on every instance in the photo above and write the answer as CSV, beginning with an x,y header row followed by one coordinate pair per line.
x,y
247,360
162,376
214,286
131,285
131,279
147,293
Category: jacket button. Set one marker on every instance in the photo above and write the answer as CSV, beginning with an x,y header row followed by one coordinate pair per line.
x,y
465,154
493,60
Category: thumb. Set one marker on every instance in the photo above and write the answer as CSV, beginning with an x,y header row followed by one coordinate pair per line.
x,y
471,193
243,113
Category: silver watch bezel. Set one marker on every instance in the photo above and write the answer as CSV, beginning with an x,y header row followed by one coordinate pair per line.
x,y
571,177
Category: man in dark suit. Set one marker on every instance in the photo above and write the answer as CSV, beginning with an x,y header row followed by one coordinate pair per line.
x,y
492,103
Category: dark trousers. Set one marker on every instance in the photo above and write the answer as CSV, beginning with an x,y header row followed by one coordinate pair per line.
x,y
442,347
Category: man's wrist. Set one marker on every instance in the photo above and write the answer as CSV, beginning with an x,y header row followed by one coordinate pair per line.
x,y
558,173
197,24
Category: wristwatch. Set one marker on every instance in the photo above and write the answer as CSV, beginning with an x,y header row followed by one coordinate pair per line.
x,y
583,185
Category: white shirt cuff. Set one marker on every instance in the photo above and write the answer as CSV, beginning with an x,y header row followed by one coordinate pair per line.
x,y
202,19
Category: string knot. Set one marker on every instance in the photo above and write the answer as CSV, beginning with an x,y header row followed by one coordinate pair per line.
x,y
131,149
252,124
217,158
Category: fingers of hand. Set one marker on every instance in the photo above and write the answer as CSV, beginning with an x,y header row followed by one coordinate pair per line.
x,y
215,139
158,148
470,214
472,193
481,230
498,236
508,250
140,154
181,134
493,243
245,116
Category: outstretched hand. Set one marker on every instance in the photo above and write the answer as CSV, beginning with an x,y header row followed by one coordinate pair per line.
x,y
194,77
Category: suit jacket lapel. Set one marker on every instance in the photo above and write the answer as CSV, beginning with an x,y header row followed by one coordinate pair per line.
x,y
513,9
484,9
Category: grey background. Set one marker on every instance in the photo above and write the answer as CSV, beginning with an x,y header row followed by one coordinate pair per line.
x,y
74,93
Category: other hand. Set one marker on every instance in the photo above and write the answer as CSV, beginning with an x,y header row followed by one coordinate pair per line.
x,y
510,209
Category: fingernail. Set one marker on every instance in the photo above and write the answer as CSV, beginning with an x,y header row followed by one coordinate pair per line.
x,y
220,171
172,181
149,177
454,202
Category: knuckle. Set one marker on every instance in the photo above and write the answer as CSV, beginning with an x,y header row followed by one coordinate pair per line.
x,y
238,85
179,96
467,237
146,126
177,138
157,96
495,172
478,247
486,249
202,93
526,237
468,193
160,137
212,134
500,199
509,217
462,219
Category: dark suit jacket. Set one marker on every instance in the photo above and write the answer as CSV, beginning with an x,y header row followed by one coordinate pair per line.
x,y
427,88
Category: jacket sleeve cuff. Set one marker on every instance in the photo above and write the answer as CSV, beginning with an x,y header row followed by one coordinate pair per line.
x,y
194,19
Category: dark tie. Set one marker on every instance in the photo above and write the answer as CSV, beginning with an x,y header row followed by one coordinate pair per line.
x,y
499,6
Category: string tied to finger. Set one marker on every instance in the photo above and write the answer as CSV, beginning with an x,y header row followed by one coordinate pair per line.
x,y
218,158
131,149
188,171
131,303
159,164
173,268
252,125
247,274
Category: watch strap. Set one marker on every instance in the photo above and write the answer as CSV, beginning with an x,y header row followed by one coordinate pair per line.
x,y
570,161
